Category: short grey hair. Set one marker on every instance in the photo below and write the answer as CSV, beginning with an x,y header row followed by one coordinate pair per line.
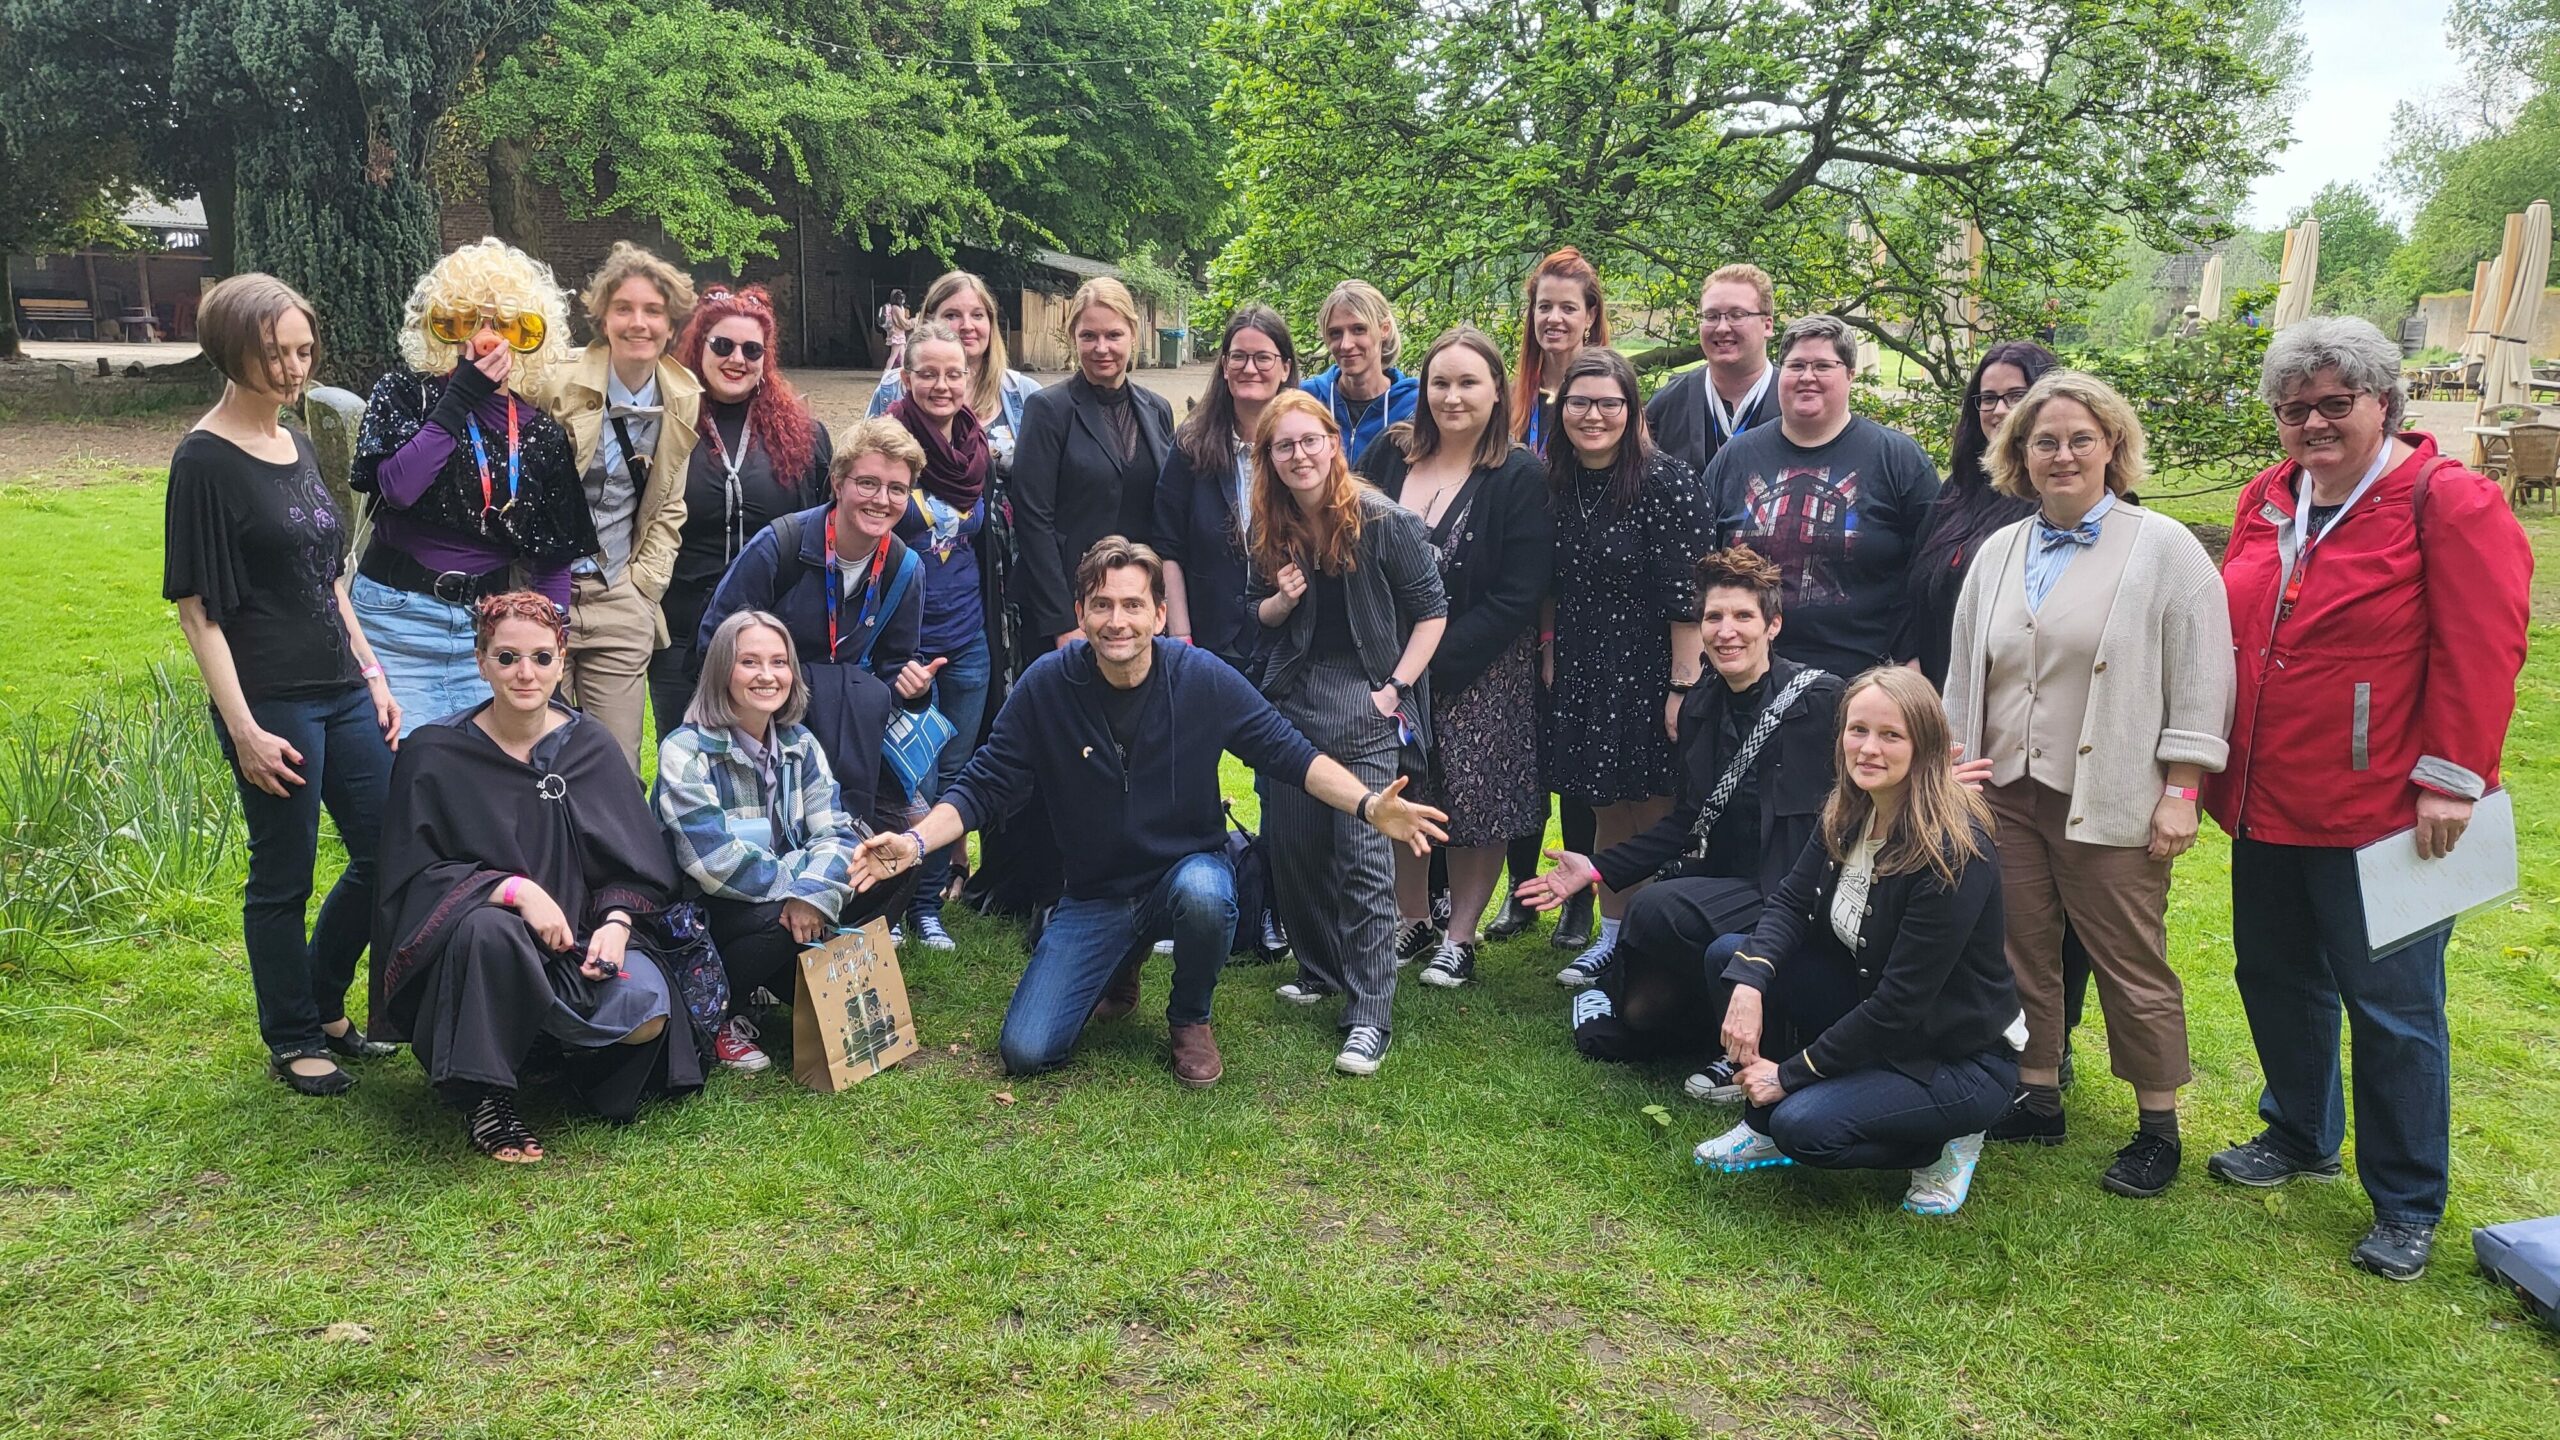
x,y
1844,341
711,707
2363,357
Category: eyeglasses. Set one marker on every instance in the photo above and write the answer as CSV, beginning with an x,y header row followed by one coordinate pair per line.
x,y
1714,318
1811,369
1253,360
1990,400
522,329
542,659
2082,446
724,347
1611,406
865,485
2331,407
1305,445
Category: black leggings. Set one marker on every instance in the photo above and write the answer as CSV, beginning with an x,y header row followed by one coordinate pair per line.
x,y
757,951
1581,836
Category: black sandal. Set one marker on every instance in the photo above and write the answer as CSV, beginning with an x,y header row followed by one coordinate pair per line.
x,y
334,1082
494,1126
357,1045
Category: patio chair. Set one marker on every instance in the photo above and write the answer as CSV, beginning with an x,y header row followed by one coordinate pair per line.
x,y
2533,465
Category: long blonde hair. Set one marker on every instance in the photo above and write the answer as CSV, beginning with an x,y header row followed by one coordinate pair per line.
x,y
986,373
1934,828
1283,534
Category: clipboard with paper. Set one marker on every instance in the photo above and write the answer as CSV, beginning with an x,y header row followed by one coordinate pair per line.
x,y
2405,896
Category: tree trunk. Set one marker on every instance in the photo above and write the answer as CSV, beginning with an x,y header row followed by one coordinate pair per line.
x,y
10,348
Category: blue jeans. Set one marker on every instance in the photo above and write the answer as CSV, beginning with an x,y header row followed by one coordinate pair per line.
x,y
301,982
2298,941
426,650
960,693
1087,941
1882,1119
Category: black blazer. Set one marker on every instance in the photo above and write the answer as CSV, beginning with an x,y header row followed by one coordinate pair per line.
x,y
1506,557
1794,770
1394,586
1069,490
1196,529
1930,983
1679,420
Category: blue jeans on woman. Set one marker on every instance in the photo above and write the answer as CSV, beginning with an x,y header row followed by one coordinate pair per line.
x,y
1881,1119
427,649
1087,941
960,693
301,981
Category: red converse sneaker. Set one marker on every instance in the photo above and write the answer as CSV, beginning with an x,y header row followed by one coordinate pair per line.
x,y
736,1046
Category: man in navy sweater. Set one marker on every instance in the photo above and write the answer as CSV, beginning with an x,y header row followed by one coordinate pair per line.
x,y
1120,737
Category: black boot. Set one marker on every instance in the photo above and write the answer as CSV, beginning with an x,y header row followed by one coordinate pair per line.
x,y
1512,920
1574,923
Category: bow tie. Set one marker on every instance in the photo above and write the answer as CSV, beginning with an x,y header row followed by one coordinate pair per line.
x,y
633,412
2050,538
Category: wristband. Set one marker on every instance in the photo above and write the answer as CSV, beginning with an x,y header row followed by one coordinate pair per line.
x,y
1360,812
1683,687
507,890
919,839
2180,792
370,672
611,920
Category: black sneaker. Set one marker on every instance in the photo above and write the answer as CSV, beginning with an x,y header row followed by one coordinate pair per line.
x,y
1718,1084
1586,969
1415,939
1364,1049
2395,1250
2145,1167
1452,965
2261,1164
2022,1123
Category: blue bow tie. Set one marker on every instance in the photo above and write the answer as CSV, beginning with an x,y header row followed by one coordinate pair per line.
x,y
2050,538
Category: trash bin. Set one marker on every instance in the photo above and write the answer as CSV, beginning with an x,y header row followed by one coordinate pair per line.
x,y
1169,347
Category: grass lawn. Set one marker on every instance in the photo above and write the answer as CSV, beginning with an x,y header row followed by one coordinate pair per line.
x,y
1491,1238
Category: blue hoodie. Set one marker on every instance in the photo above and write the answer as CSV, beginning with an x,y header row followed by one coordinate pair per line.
x,y
1402,392
1120,827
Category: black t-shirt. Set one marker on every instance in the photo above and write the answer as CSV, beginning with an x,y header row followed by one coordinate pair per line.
x,y
261,544
1120,708
2320,517
1332,598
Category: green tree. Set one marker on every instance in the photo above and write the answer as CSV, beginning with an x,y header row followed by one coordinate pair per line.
x,y
716,122
2476,186
1438,150
2357,245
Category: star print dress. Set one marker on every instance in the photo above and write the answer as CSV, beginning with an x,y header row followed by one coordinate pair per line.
x,y
1623,576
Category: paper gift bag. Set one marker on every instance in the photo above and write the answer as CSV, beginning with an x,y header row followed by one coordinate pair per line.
x,y
849,1015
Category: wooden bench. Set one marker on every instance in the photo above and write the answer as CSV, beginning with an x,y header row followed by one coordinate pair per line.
x,y
38,313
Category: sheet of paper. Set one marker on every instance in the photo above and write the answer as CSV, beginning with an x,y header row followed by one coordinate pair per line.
x,y
2406,896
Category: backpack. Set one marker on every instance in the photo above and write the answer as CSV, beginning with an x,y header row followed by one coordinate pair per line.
x,y
1255,916
786,533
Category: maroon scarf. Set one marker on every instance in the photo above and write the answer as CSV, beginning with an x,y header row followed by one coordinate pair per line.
x,y
955,470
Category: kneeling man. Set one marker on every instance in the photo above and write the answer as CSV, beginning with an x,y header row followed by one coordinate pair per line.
x,y
1120,737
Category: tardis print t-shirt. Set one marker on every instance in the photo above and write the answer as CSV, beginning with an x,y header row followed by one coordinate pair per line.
x,y
1840,521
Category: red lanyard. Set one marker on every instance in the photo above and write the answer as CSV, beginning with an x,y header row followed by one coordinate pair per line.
x,y
835,585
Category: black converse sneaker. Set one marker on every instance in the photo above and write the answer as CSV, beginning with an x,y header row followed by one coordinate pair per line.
x,y
1452,965
1718,1084
1364,1049
1415,939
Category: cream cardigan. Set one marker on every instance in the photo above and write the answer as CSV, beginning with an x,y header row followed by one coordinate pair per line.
x,y
2160,693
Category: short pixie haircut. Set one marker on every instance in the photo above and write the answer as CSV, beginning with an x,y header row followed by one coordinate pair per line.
x,y
878,435
2365,359
236,325
1117,552
1743,568
627,262
712,707
2007,459
1831,328
497,610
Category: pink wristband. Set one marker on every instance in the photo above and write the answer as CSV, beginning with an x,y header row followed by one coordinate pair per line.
x,y
507,890
370,672
2179,792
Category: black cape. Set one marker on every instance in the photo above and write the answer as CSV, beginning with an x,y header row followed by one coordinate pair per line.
x,y
463,815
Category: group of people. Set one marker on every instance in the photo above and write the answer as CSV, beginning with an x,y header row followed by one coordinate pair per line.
x,y
1864,774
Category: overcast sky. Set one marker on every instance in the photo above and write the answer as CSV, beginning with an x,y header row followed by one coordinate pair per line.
x,y
2366,56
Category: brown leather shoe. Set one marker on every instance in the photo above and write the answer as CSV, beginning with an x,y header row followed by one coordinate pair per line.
x,y
1121,995
1195,1056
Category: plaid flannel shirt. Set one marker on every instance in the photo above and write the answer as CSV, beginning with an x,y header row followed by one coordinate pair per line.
x,y
736,842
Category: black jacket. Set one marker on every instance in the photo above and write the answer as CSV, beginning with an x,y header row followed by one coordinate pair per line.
x,y
1499,577
1794,771
1678,417
1394,586
1929,984
1196,528
1069,490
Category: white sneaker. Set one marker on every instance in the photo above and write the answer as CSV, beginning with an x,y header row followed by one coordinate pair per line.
x,y
1164,946
1741,1148
1940,1189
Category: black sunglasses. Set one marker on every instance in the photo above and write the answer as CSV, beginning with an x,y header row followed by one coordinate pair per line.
x,y
723,346
542,659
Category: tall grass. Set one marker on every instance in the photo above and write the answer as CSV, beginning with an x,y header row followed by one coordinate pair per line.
x,y
119,819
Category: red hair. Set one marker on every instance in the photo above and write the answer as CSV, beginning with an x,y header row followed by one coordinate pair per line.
x,y
779,417
1565,264
495,610
1283,534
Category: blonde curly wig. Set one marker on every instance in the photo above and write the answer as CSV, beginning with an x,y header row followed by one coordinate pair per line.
x,y
487,272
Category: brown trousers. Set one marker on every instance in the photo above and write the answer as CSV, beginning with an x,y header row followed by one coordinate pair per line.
x,y
2117,898
613,629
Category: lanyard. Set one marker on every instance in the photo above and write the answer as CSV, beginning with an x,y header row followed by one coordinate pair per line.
x,y
1537,426
480,456
2294,542
835,585
1732,421
733,496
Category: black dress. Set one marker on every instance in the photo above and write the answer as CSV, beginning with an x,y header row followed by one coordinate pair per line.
x,y
461,978
1622,577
